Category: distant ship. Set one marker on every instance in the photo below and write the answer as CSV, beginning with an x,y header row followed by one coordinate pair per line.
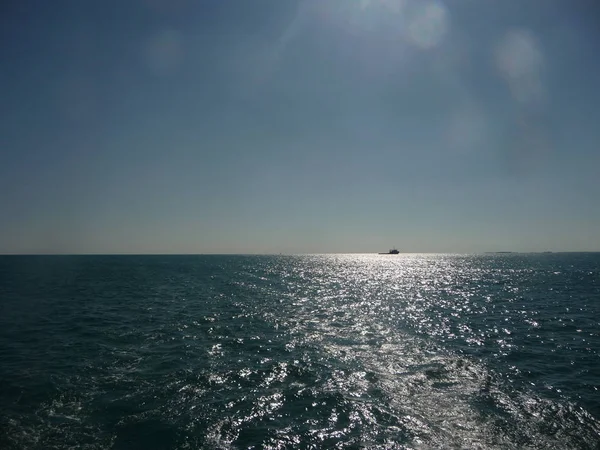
x,y
392,251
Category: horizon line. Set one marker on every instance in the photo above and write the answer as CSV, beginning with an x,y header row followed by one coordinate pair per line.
x,y
303,253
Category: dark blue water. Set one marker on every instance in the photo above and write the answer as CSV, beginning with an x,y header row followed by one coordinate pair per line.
x,y
336,351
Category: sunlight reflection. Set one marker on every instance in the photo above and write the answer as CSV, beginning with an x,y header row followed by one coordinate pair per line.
x,y
421,23
394,6
429,24
520,61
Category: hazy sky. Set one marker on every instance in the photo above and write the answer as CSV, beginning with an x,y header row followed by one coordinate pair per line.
x,y
252,126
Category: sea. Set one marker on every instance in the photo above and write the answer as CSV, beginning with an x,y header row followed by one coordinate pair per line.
x,y
408,351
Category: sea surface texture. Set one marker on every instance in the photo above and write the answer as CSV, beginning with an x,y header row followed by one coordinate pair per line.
x,y
315,351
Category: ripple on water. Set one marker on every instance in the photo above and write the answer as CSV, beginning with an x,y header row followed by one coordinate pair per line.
x,y
331,351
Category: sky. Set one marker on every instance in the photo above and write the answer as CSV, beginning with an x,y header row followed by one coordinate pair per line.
x,y
299,126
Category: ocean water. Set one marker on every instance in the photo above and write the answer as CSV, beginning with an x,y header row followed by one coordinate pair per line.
x,y
314,351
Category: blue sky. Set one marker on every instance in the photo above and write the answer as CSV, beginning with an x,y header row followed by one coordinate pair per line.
x,y
238,126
